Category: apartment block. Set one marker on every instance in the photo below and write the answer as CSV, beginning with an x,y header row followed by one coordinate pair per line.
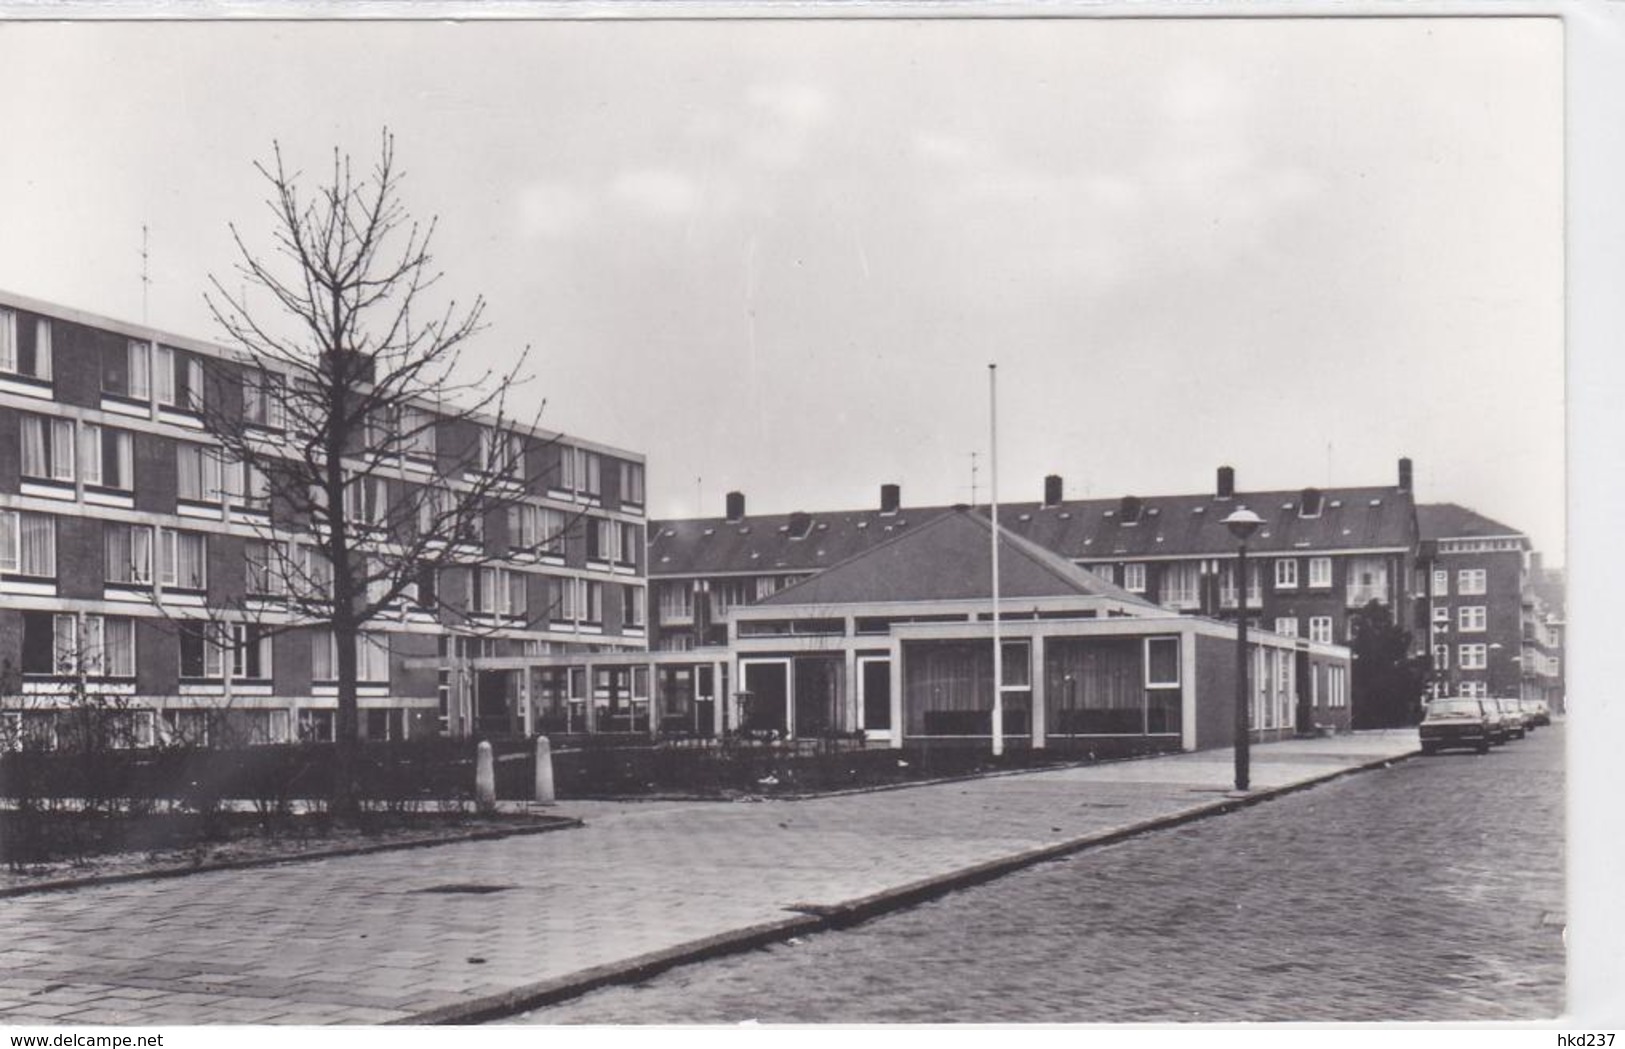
x,y
135,559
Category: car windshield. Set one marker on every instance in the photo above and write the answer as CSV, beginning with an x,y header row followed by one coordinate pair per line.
x,y
1453,708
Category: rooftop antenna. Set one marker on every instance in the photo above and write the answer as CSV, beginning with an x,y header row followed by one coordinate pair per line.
x,y
1328,464
146,280
699,496
973,478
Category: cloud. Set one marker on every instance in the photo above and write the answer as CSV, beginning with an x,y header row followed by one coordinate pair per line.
x,y
658,192
785,120
552,210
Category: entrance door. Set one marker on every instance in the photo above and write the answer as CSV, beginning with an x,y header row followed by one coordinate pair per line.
x,y
767,708
874,693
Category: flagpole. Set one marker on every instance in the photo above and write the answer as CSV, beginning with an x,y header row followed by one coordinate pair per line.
x,y
998,647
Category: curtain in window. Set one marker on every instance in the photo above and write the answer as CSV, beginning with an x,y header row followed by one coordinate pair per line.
x,y
64,644
140,377
948,687
1095,687
164,375
36,457
42,348
8,341
37,545
324,657
189,472
118,647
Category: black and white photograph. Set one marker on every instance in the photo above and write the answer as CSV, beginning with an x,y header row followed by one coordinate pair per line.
x,y
803,515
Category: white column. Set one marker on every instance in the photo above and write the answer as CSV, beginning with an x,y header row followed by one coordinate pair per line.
x,y
896,694
849,700
1039,725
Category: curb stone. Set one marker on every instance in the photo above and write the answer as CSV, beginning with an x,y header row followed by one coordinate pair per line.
x,y
62,884
821,917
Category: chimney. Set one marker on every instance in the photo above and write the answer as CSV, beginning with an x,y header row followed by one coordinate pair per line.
x,y
1404,475
736,507
1052,490
891,497
1227,482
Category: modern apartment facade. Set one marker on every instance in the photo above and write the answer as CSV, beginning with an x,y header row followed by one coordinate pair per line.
x,y
134,558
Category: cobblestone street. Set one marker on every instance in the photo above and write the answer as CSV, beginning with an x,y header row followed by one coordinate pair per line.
x,y
1432,890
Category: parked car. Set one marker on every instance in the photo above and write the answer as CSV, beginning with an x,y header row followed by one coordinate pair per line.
x,y
1511,718
1471,724
1526,707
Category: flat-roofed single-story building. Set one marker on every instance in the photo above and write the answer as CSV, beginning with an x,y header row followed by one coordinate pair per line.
x,y
897,643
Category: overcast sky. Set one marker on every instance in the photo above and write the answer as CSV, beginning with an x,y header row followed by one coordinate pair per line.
x,y
778,256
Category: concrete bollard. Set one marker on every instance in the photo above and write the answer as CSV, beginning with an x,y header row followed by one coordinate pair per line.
x,y
485,779
544,771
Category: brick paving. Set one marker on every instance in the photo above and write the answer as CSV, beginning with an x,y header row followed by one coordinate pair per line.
x,y
1430,891
362,939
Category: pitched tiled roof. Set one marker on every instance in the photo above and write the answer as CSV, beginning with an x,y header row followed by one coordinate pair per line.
x,y
1087,529
949,558
1450,521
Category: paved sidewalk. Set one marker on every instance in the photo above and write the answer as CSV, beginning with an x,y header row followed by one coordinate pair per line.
x,y
364,939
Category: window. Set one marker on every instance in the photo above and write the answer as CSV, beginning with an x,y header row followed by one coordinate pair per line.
x,y
631,540
592,601
1287,626
1134,578
497,591
1337,688
502,454
1470,619
1441,617
1368,581
1472,657
28,544
127,371
263,567
47,448
676,601
109,646
632,483
417,433
1441,657
1162,662
632,606
1441,582
251,652
265,400
178,379
1320,572
600,539
1475,689
198,476
1180,585
589,474
1471,581
371,657
536,529
561,599
1320,629
1286,573
1227,584
129,553
184,560
18,357
106,457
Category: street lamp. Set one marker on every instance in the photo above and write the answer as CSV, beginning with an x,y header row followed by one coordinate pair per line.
x,y
1242,524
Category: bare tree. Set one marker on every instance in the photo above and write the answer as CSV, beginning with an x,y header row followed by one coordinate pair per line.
x,y
351,373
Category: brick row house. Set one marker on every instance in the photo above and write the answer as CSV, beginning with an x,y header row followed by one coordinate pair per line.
x,y
1320,556
123,531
